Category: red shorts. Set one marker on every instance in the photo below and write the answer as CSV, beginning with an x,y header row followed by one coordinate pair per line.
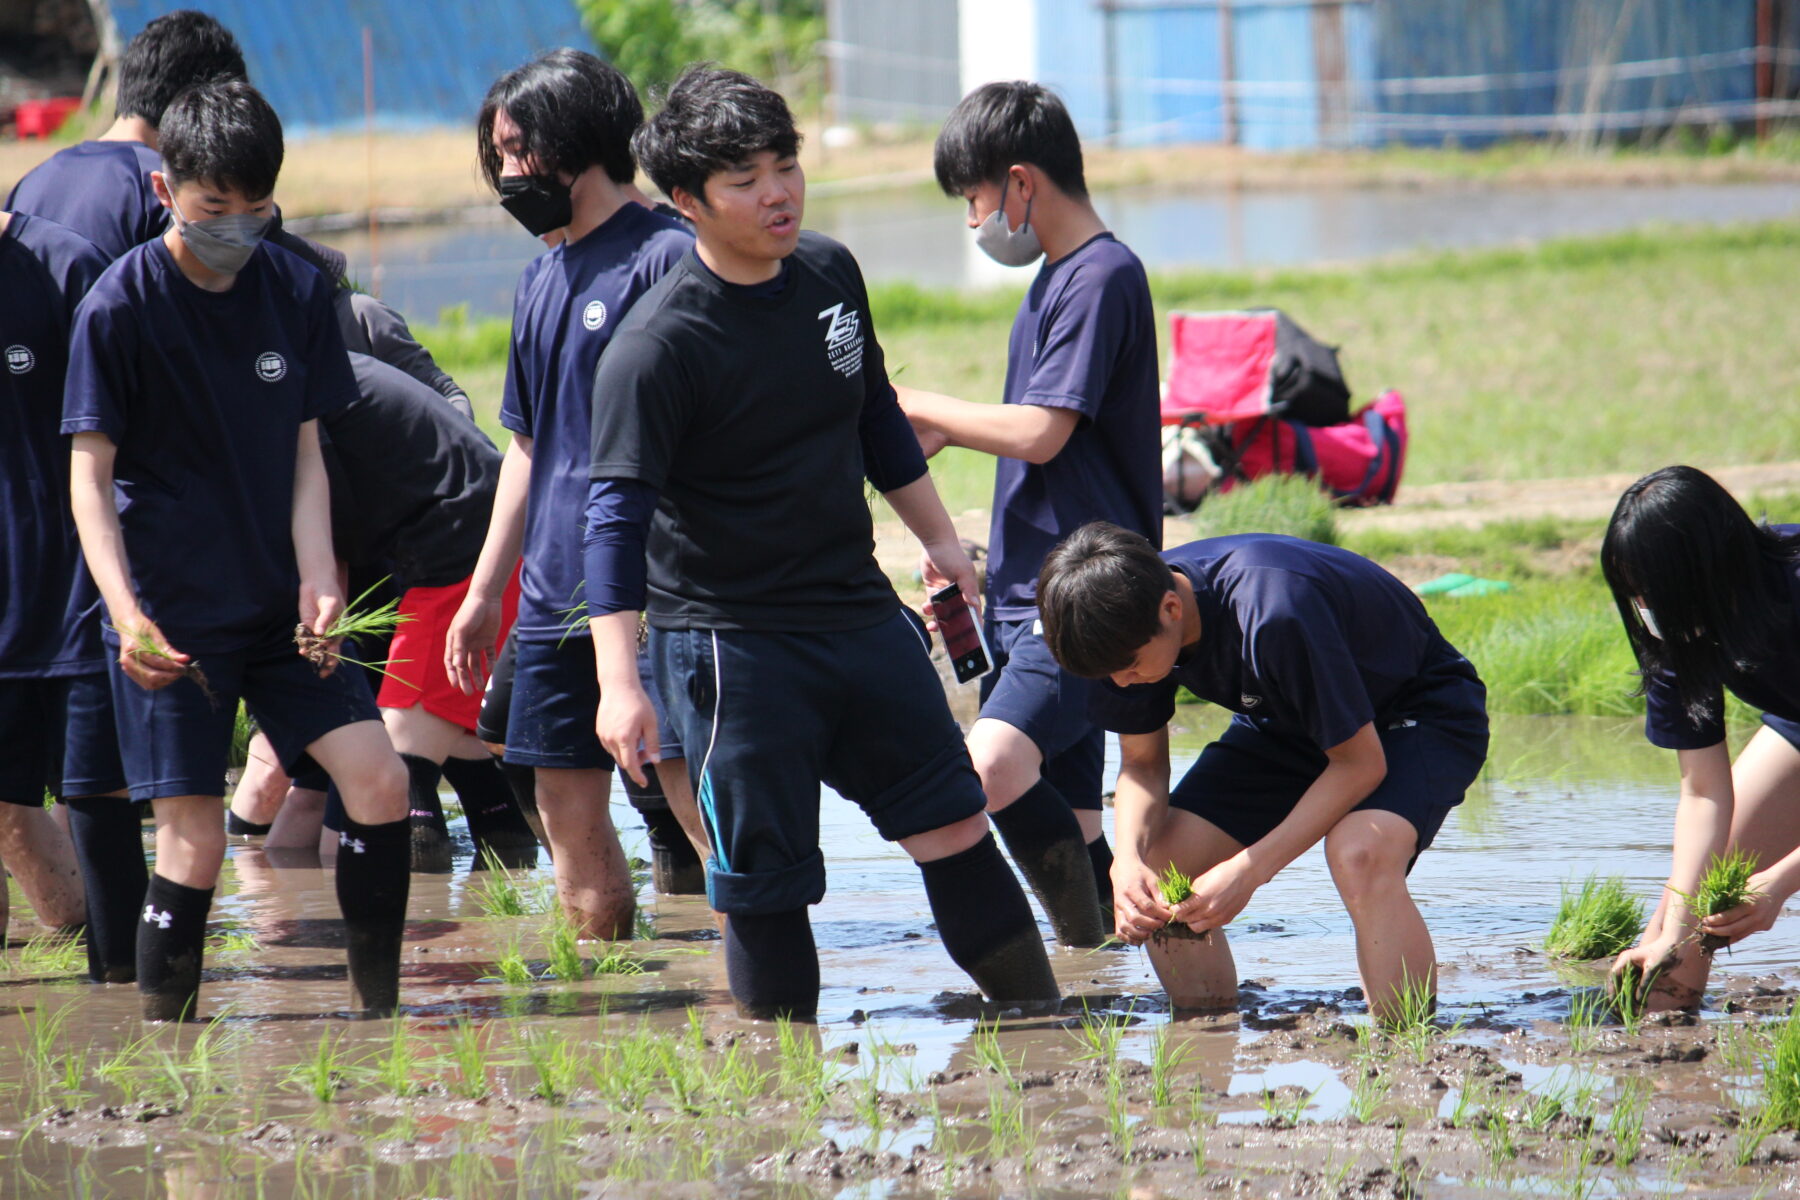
x,y
415,666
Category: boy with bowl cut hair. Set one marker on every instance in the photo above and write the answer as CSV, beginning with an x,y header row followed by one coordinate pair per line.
x,y
738,412
199,367
1077,439
1357,723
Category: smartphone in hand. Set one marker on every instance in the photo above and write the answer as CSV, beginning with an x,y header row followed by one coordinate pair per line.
x,y
956,623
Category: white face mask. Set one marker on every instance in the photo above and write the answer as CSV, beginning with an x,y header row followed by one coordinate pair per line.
x,y
1008,247
1649,621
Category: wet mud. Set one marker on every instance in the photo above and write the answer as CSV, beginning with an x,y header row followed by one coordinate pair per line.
x,y
625,1071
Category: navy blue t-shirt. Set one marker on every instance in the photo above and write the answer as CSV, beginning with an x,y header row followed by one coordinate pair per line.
x,y
204,394
1299,637
1774,686
47,601
568,304
1084,339
101,190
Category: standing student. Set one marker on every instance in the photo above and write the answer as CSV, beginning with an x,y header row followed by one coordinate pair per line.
x,y
58,737
554,138
737,414
198,369
1357,723
101,189
1711,603
1076,440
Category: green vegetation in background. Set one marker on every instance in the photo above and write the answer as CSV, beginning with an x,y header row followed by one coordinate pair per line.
x,y
1290,504
652,40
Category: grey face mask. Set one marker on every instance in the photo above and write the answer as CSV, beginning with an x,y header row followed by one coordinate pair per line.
x,y
223,244
1009,247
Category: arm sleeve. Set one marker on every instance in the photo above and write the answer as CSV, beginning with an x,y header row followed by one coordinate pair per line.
x,y
612,547
102,371
891,455
1081,342
330,383
1143,708
1666,720
1296,646
642,403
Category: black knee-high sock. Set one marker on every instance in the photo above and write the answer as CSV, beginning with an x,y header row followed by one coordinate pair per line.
x,y
109,848
985,923
1046,842
171,939
238,827
372,885
487,801
1101,855
422,802
773,965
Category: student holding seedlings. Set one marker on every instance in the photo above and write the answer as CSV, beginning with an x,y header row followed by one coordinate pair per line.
x,y
554,138
1710,601
1357,723
737,414
1077,439
199,366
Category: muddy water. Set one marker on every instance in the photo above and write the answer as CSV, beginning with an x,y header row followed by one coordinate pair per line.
x,y
906,1096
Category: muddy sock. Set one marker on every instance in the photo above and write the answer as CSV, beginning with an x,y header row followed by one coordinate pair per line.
x,y
372,884
238,827
109,848
487,802
429,833
1045,839
1101,856
986,925
773,965
170,941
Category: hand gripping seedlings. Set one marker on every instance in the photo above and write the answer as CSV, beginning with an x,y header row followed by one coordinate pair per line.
x,y
144,646
354,622
1176,887
1724,886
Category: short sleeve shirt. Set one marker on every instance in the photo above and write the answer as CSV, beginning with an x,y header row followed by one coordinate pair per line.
x,y
568,305
1084,340
101,190
203,393
47,602
1301,638
1774,686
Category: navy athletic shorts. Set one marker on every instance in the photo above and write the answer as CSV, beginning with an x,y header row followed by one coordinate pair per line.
x,y
771,716
60,738
181,737
1030,692
1787,728
1249,780
555,698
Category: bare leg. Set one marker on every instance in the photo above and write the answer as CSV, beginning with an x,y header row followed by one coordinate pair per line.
x,y
673,775
40,856
297,821
592,879
262,787
1198,974
1368,852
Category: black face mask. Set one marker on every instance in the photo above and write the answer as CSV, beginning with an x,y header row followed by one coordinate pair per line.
x,y
538,202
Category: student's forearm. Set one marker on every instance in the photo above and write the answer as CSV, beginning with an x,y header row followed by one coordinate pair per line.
x,y
1353,769
506,527
615,650
1141,795
97,525
312,512
1702,829
922,511
1031,432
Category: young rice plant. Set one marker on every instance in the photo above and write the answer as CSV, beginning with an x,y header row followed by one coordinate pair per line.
x,y
1599,921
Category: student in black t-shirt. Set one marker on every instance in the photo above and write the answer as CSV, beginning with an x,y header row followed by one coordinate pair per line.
x,y
199,367
101,189
1357,723
738,411
1711,602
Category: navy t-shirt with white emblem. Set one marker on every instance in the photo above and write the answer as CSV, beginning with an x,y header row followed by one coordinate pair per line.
x,y
569,302
1085,340
47,601
1300,638
204,394
1774,686
101,190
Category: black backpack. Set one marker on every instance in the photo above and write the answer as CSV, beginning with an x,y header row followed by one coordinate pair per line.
x,y
1306,384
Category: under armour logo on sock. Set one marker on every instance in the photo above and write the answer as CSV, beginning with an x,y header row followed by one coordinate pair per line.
x,y
355,844
161,920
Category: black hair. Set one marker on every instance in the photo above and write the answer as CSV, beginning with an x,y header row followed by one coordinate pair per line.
x,y
170,55
1100,594
224,134
712,120
1679,544
1000,124
572,110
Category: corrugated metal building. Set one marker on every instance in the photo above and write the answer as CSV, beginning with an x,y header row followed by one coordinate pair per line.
x,y
1278,74
433,59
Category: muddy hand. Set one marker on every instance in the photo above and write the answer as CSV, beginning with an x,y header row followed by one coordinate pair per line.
x,y
1219,896
1138,910
147,658
320,606
1753,916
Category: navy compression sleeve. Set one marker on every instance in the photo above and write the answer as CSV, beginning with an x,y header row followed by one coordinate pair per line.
x,y
612,549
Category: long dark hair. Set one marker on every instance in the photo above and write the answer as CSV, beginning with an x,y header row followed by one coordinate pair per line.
x,y
1683,548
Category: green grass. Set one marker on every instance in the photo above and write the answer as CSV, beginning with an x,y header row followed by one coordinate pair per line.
x,y
1290,504
1598,920
1725,885
1174,885
1781,1075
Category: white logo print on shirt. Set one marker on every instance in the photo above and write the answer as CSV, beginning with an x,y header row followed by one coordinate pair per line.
x,y
20,359
843,339
594,315
270,366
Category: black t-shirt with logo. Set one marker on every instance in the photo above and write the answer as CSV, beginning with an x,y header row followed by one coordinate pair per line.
x,y
757,417
204,394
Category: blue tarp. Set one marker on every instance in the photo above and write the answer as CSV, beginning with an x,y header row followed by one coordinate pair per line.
x,y
434,59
